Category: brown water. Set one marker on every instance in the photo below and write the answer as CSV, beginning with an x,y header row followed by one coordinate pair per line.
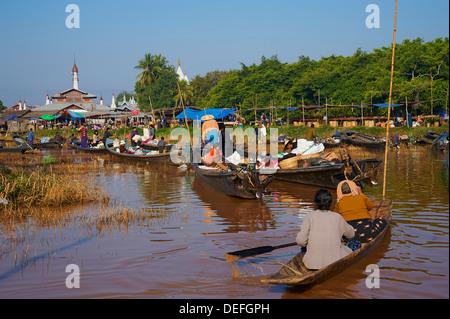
x,y
179,251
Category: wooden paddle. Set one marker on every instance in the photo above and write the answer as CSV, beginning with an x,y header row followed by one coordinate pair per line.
x,y
239,254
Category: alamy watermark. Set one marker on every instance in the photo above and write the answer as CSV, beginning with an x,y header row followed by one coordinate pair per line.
x,y
373,19
228,142
73,279
373,279
73,19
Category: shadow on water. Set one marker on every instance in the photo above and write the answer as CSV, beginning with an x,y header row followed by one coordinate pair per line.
x,y
28,261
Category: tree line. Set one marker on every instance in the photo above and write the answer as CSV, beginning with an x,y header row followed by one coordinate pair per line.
x,y
421,75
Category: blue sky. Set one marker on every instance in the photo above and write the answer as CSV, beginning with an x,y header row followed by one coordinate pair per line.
x,y
37,49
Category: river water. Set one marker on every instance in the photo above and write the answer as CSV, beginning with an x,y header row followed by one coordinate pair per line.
x,y
178,250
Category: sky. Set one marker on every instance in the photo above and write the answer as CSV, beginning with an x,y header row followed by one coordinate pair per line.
x,y
37,48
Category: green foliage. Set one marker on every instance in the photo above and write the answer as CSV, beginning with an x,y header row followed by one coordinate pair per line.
x,y
421,73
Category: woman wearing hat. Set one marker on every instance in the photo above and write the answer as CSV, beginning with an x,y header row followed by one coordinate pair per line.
x,y
210,130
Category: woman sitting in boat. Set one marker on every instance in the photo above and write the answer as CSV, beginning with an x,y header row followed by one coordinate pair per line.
x,y
321,233
354,206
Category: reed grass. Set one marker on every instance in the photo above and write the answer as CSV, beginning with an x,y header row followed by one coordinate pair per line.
x,y
43,187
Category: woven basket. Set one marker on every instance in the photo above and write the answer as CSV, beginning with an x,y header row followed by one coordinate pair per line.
x,y
292,162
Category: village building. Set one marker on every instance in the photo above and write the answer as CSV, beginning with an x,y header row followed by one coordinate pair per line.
x,y
72,99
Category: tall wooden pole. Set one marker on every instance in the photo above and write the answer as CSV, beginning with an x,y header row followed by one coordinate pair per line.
x,y
185,117
390,103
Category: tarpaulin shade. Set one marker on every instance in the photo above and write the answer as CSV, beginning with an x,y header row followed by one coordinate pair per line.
x,y
387,105
73,114
12,117
196,115
48,117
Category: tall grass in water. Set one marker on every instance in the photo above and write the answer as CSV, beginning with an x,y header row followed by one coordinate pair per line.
x,y
43,187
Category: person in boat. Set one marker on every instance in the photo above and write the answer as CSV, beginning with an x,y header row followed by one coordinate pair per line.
x,y
289,145
354,206
152,132
30,137
106,135
210,130
122,147
95,139
311,133
83,136
133,134
58,137
162,145
321,234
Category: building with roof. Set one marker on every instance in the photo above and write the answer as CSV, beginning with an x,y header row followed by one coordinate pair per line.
x,y
72,99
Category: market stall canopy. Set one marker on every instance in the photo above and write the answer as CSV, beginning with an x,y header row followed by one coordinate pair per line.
x,y
48,117
73,114
196,115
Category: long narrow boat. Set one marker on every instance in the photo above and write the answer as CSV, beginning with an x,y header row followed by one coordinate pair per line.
x,y
333,141
77,146
296,273
361,139
148,157
17,149
247,184
328,174
44,143
441,142
429,137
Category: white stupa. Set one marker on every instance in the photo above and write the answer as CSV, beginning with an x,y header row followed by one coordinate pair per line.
x,y
180,74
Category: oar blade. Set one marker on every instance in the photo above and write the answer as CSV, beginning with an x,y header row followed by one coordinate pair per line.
x,y
250,252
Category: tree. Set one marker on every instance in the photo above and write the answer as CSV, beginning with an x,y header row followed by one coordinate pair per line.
x,y
152,67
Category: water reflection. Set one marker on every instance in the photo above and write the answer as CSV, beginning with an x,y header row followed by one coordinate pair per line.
x,y
178,249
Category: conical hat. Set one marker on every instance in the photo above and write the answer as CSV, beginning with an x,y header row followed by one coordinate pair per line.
x,y
207,117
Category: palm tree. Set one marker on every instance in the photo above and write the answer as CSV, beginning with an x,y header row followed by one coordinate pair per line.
x,y
152,66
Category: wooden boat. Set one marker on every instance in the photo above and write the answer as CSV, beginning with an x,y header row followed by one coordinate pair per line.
x,y
238,181
148,157
153,147
77,146
441,143
296,273
18,149
429,137
49,143
333,141
361,139
328,174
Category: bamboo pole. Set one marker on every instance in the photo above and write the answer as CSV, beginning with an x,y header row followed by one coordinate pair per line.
x,y
390,103
185,117
303,109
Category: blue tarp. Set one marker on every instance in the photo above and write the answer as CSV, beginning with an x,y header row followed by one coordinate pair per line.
x,y
75,115
387,105
196,115
12,117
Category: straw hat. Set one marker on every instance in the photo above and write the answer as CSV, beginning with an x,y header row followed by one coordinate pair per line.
x,y
207,117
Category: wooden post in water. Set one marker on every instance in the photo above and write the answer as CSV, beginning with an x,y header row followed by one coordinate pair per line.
x,y
390,102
